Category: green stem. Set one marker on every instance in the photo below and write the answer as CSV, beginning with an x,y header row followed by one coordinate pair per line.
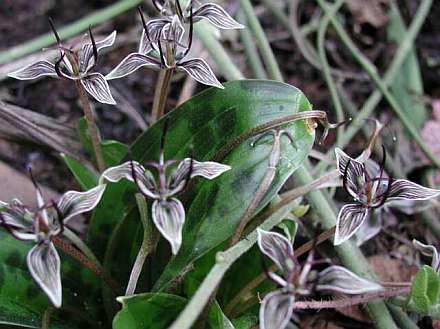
x,y
91,126
251,50
224,261
325,65
262,42
161,94
401,54
350,256
401,318
68,31
147,246
371,70
206,34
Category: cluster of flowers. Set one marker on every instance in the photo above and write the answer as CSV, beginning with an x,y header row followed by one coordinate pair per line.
x,y
161,47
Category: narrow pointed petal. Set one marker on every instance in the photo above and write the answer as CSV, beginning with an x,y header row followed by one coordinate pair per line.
x,y
402,189
278,248
144,178
155,27
98,88
350,218
85,56
35,70
44,265
174,30
217,16
430,251
339,279
200,71
73,203
276,310
169,217
207,169
131,63
355,173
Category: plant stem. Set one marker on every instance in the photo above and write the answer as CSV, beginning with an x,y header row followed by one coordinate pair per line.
x,y
402,319
350,301
224,261
91,126
251,50
267,180
263,276
77,242
262,42
148,244
161,94
372,72
325,65
401,54
45,40
80,257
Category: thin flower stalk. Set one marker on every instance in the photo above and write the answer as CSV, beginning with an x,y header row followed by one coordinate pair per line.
x,y
77,66
43,226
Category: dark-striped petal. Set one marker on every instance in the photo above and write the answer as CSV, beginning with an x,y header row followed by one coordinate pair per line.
x,y
73,203
44,265
169,217
402,189
350,218
339,279
98,88
131,63
354,175
85,55
35,70
143,178
276,310
200,71
278,248
217,16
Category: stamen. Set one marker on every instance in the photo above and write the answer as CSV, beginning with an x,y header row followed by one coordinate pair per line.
x,y
58,69
95,49
384,196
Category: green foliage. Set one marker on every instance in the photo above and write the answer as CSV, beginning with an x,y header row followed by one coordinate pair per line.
x,y
425,289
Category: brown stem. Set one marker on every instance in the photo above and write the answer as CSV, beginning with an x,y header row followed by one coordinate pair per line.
x,y
161,94
91,126
350,301
324,236
99,271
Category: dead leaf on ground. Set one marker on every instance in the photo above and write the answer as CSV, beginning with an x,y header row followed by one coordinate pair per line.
x,y
371,12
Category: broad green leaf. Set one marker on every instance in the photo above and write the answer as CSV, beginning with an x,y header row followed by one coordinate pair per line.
x,y
22,302
425,289
148,311
408,83
85,176
201,127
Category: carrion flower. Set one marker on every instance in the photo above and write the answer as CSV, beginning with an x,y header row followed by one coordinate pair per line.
x,y
161,47
277,307
41,225
74,65
168,213
371,189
